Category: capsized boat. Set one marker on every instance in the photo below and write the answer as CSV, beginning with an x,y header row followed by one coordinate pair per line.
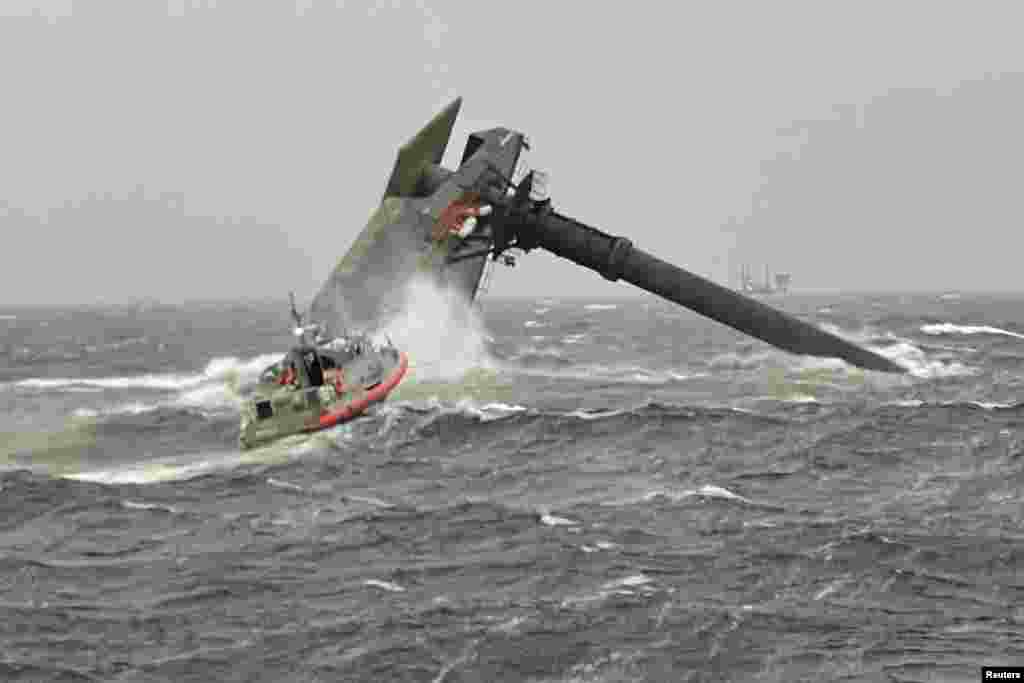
x,y
319,384
450,224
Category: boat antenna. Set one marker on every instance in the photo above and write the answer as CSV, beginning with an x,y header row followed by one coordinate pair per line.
x,y
295,313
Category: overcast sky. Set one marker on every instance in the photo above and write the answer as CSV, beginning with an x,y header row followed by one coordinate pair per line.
x,y
862,145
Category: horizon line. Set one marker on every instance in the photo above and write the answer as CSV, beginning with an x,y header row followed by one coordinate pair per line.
x,y
158,301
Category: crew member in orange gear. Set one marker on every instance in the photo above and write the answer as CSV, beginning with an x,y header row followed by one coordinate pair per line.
x,y
288,376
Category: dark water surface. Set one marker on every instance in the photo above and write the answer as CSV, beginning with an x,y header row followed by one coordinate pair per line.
x,y
568,491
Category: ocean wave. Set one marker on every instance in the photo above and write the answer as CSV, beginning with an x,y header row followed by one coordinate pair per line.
x,y
434,414
773,359
634,585
921,366
384,585
488,411
952,329
553,365
582,414
981,405
133,408
706,491
791,398
212,391
867,335
547,519
532,355
208,400
117,345
654,409
139,505
433,411
218,369
188,467
894,347
737,361
903,351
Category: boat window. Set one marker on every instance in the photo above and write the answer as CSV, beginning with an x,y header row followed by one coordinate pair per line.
x,y
264,410
271,373
313,399
314,369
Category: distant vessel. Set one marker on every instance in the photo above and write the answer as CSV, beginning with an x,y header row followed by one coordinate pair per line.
x,y
777,285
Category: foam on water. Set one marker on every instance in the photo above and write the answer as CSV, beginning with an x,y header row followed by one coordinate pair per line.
x,y
384,585
218,369
548,519
705,491
612,517
923,367
899,349
951,328
440,331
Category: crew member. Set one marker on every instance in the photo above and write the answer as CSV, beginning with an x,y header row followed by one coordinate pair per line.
x,y
288,376
337,377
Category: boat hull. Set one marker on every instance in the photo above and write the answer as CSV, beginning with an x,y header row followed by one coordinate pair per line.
x,y
285,412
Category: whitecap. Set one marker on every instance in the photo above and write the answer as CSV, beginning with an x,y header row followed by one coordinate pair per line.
x,y
920,366
712,491
132,408
487,411
629,582
706,491
551,520
368,500
287,485
218,369
384,585
951,328
909,403
135,505
581,414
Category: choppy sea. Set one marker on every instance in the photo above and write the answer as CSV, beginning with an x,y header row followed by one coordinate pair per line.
x,y
563,490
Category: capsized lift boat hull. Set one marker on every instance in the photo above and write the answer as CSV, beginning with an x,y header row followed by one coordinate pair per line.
x,y
318,386
447,223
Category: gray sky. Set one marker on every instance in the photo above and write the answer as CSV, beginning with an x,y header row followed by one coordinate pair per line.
x,y
710,133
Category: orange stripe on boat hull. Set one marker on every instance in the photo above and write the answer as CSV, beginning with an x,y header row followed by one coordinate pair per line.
x,y
374,395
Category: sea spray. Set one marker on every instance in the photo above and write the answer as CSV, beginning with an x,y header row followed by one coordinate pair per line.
x,y
441,332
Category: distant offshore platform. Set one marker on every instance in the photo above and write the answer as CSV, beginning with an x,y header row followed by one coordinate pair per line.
x,y
779,284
